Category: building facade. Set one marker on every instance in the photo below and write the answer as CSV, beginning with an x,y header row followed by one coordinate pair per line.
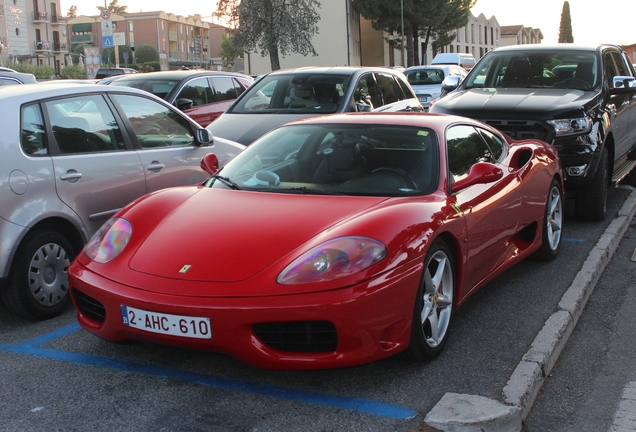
x,y
519,35
33,31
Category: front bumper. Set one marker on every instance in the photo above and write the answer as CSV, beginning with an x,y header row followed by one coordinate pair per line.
x,y
372,319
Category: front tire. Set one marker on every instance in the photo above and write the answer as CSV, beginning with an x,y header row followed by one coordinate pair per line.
x,y
433,305
552,224
38,280
591,203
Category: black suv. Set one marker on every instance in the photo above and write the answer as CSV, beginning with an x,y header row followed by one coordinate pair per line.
x,y
581,99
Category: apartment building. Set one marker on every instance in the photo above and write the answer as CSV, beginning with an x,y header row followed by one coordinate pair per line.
x,y
33,31
519,35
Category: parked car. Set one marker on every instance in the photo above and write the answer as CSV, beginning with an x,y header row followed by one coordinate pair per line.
x,y
581,99
72,156
106,72
203,95
6,69
283,96
427,80
466,61
8,78
367,231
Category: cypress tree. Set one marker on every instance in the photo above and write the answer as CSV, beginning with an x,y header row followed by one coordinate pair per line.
x,y
565,28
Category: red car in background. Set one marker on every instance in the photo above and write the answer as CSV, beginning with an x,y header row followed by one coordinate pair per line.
x,y
202,95
328,242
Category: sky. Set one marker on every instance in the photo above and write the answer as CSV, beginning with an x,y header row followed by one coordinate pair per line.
x,y
593,21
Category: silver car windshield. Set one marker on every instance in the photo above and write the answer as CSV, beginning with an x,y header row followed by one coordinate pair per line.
x,y
350,159
536,69
294,93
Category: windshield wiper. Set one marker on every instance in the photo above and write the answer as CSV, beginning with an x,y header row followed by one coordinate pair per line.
x,y
304,190
226,181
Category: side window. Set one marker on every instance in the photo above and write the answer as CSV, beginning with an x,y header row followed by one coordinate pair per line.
x,y
406,89
198,91
84,124
620,64
465,148
239,87
390,88
155,124
495,144
609,69
367,92
225,88
8,81
33,139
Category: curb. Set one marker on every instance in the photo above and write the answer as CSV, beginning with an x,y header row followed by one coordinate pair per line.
x,y
459,412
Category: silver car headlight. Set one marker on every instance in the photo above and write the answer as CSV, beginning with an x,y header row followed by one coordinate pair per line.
x,y
575,126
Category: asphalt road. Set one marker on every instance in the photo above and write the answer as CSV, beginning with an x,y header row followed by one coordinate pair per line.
x,y
55,376
592,386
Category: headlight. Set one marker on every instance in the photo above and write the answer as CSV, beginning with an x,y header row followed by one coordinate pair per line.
x,y
109,241
575,126
334,259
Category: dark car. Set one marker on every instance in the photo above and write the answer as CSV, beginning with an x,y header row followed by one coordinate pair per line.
x,y
16,78
203,95
579,98
282,96
106,72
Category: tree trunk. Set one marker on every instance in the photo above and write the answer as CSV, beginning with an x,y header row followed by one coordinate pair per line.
x,y
415,35
274,59
408,32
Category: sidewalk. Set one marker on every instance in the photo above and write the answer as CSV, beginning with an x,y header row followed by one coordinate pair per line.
x,y
459,412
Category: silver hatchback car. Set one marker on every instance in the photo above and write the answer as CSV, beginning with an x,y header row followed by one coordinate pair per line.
x,y
72,156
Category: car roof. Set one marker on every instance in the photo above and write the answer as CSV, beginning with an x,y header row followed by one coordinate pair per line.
x,y
554,47
179,75
28,93
25,77
335,70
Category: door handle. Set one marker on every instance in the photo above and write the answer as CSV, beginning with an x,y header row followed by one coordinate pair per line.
x,y
155,166
71,176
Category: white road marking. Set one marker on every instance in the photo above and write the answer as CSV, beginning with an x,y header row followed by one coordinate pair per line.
x,y
625,416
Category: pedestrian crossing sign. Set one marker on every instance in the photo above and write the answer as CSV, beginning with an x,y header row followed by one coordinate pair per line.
x,y
107,42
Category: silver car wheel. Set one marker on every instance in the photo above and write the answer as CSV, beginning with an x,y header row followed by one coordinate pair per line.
x,y
554,220
438,298
48,274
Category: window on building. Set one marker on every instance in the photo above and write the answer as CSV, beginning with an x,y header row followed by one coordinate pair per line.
x,y
130,26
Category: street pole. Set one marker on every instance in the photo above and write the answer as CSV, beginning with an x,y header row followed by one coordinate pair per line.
x,y
402,19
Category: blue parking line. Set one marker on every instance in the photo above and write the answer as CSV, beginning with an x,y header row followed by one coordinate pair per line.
x,y
355,404
574,240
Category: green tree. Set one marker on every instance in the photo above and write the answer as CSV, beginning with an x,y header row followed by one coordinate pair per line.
x,y
109,54
434,20
273,27
227,51
565,28
72,12
114,7
145,53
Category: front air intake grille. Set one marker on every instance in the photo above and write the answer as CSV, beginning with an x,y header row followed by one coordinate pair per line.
x,y
298,336
522,129
90,307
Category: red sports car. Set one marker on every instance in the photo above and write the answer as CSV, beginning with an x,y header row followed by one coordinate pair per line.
x,y
328,242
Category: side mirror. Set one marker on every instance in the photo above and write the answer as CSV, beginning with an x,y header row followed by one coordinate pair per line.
x,y
451,82
210,163
623,84
480,173
362,107
183,103
204,137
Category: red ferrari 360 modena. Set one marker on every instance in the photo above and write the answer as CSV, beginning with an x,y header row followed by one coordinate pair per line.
x,y
328,242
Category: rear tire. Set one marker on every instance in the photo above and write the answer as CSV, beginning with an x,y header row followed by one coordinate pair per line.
x,y
552,224
591,203
433,305
38,286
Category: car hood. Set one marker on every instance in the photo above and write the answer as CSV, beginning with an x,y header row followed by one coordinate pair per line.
x,y
512,102
227,236
246,128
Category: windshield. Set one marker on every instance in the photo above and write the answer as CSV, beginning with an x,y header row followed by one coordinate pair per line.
x,y
294,94
425,76
158,87
351,159
536,69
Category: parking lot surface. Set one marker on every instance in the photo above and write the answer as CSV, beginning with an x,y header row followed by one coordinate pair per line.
x,y
55,376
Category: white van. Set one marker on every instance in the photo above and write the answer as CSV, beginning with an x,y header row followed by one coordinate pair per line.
x,y
467,61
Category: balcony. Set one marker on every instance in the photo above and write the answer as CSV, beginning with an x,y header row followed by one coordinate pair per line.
x,y
58,20
172,36
59,47
40,17
41,46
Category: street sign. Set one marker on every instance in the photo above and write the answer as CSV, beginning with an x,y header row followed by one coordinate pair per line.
x,y
107,42
105,13
107,28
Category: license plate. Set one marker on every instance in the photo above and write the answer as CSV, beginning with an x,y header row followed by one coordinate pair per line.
x,y
175,325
